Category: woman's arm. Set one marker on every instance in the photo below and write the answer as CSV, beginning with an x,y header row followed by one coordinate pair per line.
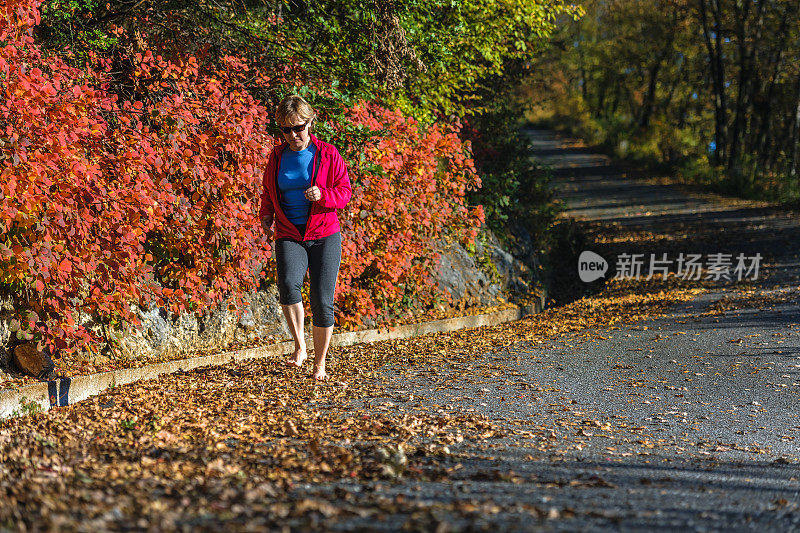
x,y
338,194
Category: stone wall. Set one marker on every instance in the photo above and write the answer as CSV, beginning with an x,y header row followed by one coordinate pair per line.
x,y
482,278
488,275
160,336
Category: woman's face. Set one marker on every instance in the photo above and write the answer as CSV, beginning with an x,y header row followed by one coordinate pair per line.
x,y
298,140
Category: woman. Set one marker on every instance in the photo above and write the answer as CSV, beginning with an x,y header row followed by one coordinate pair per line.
x,y
305,182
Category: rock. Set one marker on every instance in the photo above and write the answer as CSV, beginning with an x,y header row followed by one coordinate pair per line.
x,y
33,362
6,309
5,336
262,318
513,266
163,336
459,274
483,278
94,359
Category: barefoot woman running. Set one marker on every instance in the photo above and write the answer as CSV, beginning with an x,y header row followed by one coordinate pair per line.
x,y
305,182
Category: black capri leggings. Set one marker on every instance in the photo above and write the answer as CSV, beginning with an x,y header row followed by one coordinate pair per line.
x,y
321,257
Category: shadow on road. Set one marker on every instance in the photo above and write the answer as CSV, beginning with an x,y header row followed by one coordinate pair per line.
x,y
574,495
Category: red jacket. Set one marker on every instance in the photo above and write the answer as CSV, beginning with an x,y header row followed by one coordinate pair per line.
x,y
329,174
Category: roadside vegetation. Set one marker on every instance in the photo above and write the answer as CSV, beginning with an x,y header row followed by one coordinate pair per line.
x,y
133,134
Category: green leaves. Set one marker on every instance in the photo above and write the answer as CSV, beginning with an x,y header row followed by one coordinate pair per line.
x,y
71,24
464,43
425,57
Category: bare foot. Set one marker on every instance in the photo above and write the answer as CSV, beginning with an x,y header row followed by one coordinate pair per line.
x,y
297,358
319,373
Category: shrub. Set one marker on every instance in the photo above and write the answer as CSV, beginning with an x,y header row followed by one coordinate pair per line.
x,y
108,203
408,196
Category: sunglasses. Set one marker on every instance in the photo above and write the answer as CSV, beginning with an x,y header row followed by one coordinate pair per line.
x,y
296,129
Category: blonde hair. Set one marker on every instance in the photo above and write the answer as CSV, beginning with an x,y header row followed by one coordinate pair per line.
x,y
294,106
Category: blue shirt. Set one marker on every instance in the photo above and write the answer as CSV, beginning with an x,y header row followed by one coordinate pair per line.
x,y
294,177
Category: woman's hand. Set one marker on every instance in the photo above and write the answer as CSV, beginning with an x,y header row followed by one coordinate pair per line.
x,y
266,224
313,194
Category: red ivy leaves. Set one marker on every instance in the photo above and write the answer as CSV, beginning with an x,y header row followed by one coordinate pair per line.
x,y
107,204
410,198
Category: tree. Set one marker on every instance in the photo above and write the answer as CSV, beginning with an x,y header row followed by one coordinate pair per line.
x,y
690,79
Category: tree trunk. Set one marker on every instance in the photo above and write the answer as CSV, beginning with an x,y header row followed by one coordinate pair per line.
x,y
582,68
601,98
715,56
765,115
795,142
749,46
672,88
650,96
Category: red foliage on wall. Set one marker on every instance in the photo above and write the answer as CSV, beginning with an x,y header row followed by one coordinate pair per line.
x,y
106,204
407,199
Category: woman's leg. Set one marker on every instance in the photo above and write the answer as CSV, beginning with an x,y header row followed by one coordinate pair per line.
x,y
322,340
324,258
291,260
294,319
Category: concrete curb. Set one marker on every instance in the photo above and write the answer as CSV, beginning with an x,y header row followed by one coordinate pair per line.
x,y
66,391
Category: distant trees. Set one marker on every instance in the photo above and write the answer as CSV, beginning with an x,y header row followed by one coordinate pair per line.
x,y
688,79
